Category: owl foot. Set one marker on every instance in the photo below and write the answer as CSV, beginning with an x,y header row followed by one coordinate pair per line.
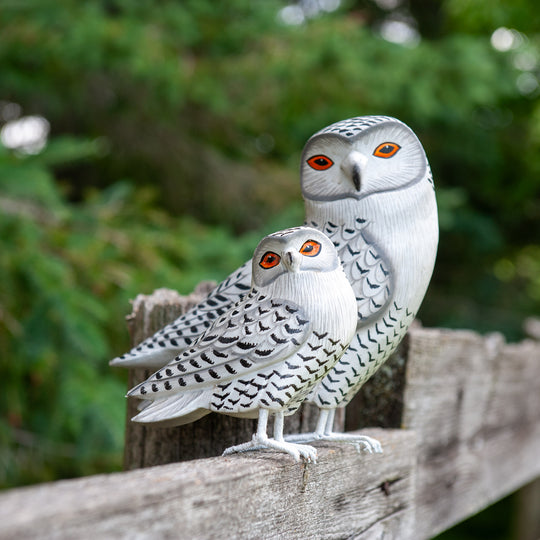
x,y
297,451
360,442
261,441
324,432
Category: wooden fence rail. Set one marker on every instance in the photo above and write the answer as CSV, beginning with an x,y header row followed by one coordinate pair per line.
x,y
461,417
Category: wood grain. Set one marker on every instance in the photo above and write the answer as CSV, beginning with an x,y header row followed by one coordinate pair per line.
x,y
261,495
474,403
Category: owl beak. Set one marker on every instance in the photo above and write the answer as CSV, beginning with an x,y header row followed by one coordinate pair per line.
x,y
352,166
356,177
292,260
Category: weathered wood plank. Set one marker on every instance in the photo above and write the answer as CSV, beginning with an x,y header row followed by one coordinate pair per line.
x,y
264,495
466,395
471,403
474,403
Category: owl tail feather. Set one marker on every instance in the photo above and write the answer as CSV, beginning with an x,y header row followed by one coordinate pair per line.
x,y
150,359
176,410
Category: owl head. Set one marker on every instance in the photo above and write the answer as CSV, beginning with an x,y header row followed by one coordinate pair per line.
x,y
296,250
360,156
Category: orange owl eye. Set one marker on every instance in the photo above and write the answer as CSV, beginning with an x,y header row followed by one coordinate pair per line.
x,y
320,162
386,149
310,248
269,260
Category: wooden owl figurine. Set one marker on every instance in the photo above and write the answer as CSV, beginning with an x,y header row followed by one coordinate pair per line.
x,y
265,353
367,184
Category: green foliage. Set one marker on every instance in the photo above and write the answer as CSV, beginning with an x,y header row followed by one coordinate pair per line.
x,y
485,17
68,271
171,85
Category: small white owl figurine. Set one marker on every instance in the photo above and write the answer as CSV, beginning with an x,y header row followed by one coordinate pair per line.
x,y
265,353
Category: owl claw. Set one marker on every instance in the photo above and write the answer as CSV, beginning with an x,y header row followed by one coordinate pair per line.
x,y
297,451
368,444
360,442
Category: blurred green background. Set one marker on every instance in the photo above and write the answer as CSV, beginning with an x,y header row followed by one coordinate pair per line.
x,y
149,144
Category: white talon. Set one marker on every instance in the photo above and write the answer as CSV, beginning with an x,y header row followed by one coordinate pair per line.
x,y
324,432
261,441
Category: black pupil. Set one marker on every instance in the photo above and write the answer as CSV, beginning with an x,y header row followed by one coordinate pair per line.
x,y
321,161
270,259
308,248
386,149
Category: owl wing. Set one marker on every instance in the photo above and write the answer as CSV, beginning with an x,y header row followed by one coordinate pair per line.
x,y
158,349
364,264
256,332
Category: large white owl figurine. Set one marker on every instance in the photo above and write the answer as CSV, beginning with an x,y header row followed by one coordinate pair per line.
x,y
265,353
367,184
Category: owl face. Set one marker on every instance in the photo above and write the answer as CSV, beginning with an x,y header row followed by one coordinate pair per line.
x,y
301,249
358,157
